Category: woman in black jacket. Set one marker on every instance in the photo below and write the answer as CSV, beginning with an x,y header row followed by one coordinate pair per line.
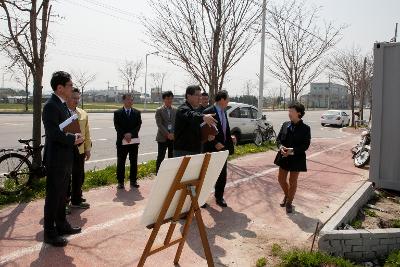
x,y
293,140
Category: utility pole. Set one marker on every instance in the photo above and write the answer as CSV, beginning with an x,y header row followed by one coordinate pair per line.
x,y
145,80
395,33
329,92
262,57
280,96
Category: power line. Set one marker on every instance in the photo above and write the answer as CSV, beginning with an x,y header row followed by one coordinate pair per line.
x,y
111,8
101,11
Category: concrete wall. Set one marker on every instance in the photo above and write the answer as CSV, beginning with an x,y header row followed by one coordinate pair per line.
x,y
385,156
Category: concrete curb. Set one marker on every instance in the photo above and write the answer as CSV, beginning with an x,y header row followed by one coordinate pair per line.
x,y
358,245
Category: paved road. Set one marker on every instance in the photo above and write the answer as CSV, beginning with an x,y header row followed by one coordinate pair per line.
x,y
17,126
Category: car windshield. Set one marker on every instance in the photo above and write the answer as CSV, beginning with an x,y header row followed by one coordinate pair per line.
x,y
332,112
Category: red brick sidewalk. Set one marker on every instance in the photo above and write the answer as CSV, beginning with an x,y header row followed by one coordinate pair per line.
x,y
238,235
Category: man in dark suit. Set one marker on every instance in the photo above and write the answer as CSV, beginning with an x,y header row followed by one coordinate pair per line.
x,y
223,141
187,124
127,122
165,119
58,159
204,102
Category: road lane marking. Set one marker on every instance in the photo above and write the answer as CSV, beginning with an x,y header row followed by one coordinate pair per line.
x,y
35,248
101,139
257,175
112,159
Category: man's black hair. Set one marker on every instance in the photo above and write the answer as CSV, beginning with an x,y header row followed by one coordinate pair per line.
x,y
191,90
59,78
126,95
167,94
223,94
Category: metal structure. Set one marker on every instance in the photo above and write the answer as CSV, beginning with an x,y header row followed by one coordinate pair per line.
x,y
385,154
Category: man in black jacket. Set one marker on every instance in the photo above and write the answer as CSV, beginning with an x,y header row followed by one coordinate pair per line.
x,y
127,122
187,124
223,141
58,159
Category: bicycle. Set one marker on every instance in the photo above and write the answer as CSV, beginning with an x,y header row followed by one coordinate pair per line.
x,y
264,132
16,169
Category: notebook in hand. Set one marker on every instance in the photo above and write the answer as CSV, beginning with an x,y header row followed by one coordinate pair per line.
x,y
71,125
207,130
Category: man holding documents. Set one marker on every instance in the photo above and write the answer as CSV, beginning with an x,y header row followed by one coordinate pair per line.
x,y
127,122
222,141
81,153
165,120
58,158
188,124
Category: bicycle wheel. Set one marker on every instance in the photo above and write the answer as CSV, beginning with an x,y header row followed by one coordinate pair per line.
x,y
272,136
15,173
258,137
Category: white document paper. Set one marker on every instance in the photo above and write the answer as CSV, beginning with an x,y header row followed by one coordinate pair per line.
x,y
68,121
133,141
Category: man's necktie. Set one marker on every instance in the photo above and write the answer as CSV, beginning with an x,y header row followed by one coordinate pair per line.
x,y
128,112
67,110
223,122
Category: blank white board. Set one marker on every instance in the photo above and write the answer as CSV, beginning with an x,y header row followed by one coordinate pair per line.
x,y
165,178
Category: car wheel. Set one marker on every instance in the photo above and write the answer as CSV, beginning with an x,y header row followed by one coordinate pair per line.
x,y
237,136
323,124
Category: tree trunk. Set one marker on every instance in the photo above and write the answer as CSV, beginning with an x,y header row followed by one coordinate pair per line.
x,y
26,95
37,117
352,110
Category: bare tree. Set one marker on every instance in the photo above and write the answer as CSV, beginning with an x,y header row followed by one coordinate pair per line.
x,y
298,44
131,72
347,67
364,84
22,75
24,27
81,79
205,38
158,79
249,88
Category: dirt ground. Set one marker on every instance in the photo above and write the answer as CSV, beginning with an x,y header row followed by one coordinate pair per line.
x,y
383,211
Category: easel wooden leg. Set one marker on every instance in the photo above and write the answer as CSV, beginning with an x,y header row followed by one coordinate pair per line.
x,y
149,245
185,232
203,236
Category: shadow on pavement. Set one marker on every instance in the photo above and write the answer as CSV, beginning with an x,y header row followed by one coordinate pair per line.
x,y
48,256
8,221
128,198
227,223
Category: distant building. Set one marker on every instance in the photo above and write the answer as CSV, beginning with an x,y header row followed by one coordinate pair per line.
x,y
327,95
156,94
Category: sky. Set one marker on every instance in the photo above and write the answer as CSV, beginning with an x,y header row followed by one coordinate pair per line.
x,y
97,36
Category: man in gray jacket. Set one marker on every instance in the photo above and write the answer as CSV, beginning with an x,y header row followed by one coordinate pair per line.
x,y
165,119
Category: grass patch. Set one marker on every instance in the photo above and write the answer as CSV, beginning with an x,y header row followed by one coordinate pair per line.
x,y
261,262
356,224
393,260
242,150
370,213
395,224
301,258
276,250
107,176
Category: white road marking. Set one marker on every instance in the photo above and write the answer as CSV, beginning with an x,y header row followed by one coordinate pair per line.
x,y
96,128
98,227
257,175
101,139
112,159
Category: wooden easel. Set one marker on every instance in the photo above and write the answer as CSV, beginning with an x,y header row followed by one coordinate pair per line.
x,y
189,188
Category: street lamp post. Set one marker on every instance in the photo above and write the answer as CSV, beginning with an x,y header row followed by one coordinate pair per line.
x,y
261,85
145,80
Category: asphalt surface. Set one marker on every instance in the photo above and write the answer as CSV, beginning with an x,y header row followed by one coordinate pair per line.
x,y
15,126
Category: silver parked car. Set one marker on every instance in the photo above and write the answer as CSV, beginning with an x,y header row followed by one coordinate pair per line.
x,y
335,117
243,120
